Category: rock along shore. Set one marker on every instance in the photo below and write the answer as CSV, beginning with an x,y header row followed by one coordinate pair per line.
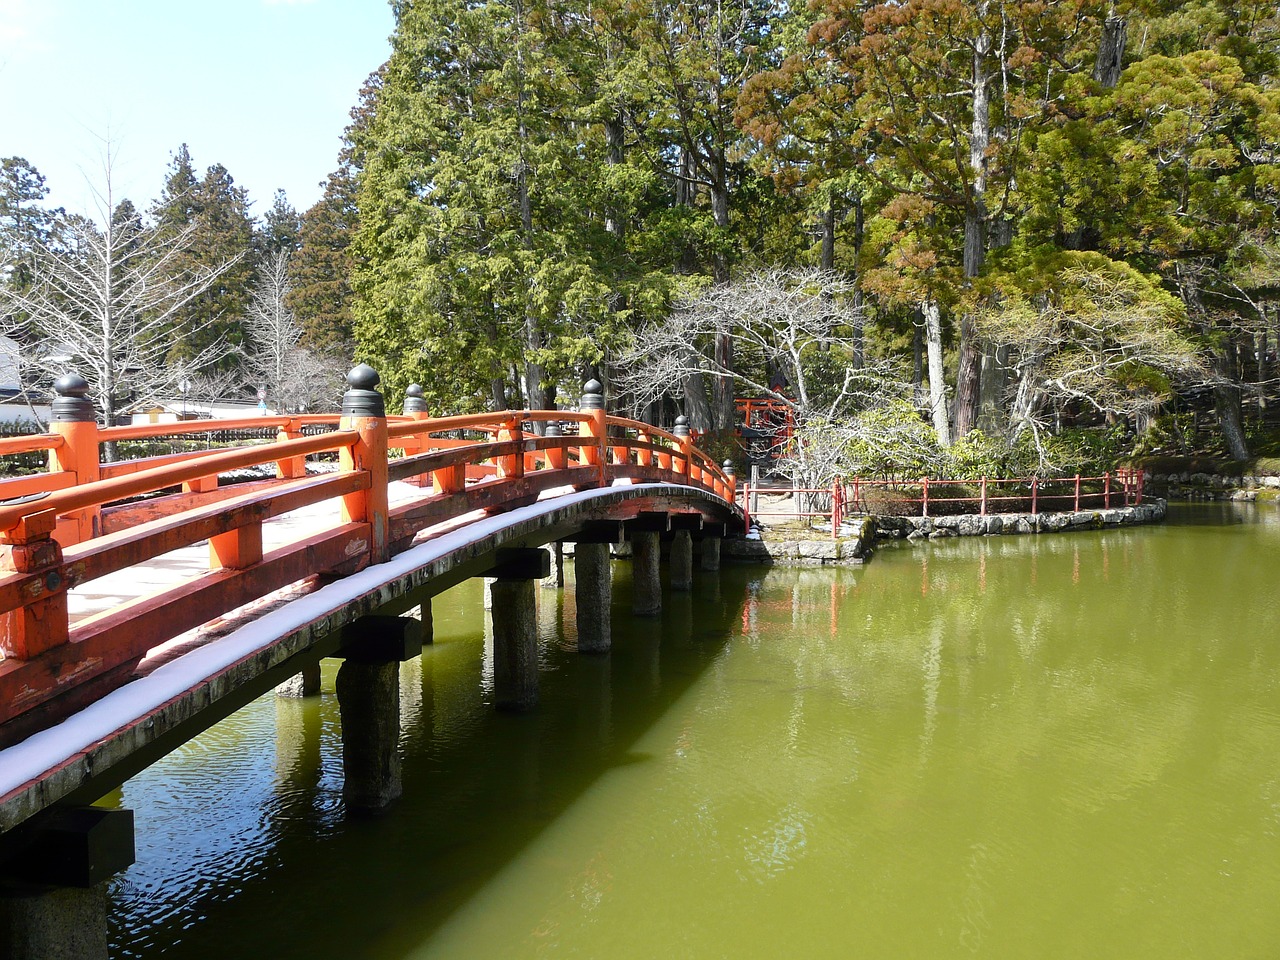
x,y
856,545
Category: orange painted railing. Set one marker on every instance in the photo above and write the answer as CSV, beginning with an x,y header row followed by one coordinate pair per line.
x,y
85,519
1122,487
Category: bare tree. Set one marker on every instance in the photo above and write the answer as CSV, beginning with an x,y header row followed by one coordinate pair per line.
x,y
780,319
104,299
293,377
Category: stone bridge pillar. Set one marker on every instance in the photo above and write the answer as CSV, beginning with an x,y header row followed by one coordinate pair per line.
x,y
514,609
368,687
53,894
646,584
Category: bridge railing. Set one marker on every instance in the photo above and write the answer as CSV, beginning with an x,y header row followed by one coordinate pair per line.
x,y
91,519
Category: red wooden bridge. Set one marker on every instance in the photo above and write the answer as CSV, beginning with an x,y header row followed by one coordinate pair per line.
x,y
95,685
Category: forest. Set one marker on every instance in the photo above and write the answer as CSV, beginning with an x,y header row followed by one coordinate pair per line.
x,y
955,236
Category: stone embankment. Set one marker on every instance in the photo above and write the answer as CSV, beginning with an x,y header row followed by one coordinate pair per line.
x,y
970,525
1214,486
859,536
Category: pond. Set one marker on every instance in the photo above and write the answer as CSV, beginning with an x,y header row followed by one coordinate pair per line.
x,y
1054,746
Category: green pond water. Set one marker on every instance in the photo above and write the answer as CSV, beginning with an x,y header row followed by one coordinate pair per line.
x,y
1017,747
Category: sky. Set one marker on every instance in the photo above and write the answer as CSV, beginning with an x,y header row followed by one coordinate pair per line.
x,y
263,87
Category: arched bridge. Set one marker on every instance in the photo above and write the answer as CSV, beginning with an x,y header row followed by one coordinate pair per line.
x,y
350,521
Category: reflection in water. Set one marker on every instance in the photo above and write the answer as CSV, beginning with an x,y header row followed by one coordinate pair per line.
x,y
1004,747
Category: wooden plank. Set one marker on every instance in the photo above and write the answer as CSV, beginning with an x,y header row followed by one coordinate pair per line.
x,y
12,487
126,632
439,459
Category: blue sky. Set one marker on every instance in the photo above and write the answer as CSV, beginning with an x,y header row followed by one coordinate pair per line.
x,y
261,86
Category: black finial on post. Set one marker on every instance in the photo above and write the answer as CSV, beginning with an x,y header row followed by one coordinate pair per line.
x,y
592,396
682,427
729,469
363,399
413,402
72,403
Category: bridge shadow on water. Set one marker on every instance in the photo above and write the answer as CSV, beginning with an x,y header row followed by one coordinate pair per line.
x,y
259,859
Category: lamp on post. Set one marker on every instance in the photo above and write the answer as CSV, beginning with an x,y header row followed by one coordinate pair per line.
x,y
184,385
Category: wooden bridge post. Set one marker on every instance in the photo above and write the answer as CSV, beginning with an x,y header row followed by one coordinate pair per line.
x,y
363,411
595,453
511,465
291,467
40,624
72,417
557,458
684,464
415,408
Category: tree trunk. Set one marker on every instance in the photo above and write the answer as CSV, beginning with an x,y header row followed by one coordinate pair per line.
x,y
1226,403
992,416
859,324
969,373
937,378
696,405
1110,62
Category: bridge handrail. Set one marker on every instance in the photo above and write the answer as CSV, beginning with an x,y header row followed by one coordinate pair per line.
x,y
76,528
32,443
100,492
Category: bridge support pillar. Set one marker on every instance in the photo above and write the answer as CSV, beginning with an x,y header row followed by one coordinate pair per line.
x,y
515,644
594,596
368,687
53,901
710,560
646,584
680,563
304,683
37,923
555,580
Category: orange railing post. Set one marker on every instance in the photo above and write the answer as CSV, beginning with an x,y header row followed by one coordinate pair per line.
x,y
983,509
364,412
511,465
685,465
1034,506
72,418
290,467
1077,493
644,457
415,408
924,497
557,458
1106,491
40,624
595,451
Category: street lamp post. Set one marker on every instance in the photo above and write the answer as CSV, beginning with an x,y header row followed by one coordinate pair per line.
x,y
184,385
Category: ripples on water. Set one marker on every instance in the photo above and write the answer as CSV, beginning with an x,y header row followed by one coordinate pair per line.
x,y
1008,747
